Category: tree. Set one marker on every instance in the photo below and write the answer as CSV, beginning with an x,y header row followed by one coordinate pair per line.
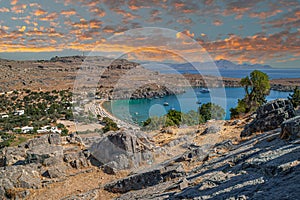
x,y
295,97
64,132
257,87
110,125
174,116
260,85
211,111
60,126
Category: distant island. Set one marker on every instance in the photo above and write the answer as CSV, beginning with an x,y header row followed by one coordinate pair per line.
x,y
221,64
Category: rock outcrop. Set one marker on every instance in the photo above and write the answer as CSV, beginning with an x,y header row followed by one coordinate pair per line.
x,y
144,179
264,166
290,129
122,150
270,116
36,163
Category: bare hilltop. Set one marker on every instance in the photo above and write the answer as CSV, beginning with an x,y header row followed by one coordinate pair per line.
x,y
61,72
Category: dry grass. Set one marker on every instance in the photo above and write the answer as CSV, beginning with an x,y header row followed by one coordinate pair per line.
x,y
77,184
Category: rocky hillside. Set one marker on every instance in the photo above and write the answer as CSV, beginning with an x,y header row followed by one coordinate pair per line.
x,y
210,161
113,79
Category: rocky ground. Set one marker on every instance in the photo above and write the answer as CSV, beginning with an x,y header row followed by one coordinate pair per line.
x,y
215,160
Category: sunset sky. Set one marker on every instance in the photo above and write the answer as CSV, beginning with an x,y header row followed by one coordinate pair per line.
x,y
252,31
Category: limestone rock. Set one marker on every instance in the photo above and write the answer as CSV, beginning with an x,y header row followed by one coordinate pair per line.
x,y
20,177
74,139
212,129
55,172
42,140
290,129
144,179
123,149
39,154
184,184
13,156
77,159
54,139
270,116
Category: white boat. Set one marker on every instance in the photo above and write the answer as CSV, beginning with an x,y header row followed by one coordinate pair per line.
x,y
166,103
204,90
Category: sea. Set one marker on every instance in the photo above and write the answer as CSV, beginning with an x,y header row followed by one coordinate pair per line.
x,y
272,73
138,110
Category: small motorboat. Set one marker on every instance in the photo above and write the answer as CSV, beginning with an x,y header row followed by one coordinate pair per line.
x,y
166,104
204,90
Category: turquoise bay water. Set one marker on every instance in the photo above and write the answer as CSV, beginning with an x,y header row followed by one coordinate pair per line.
x,y
141,109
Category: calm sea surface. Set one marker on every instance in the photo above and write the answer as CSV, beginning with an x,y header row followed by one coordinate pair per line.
x,y
141,109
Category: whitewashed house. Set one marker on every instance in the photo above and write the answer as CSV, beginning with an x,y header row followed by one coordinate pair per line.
x,y
4,115
19,112
26,129
49,129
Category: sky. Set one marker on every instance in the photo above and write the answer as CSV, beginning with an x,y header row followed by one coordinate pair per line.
x,y
245,31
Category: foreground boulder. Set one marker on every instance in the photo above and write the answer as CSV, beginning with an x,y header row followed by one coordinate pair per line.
x,y
290,129
122,150
270,116
151,177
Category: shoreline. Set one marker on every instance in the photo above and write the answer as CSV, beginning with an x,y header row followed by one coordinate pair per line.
x,y
104,113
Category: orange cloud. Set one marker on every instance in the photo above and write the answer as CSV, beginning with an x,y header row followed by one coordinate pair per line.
x,y
218,22
186,33
185,21
19,8
14,2
125,14
264,15
39,12
97,11
22,28
68,12
4,9
49,17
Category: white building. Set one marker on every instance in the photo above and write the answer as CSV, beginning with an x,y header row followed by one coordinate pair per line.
x,y
49,129
19,112
4,115
26,129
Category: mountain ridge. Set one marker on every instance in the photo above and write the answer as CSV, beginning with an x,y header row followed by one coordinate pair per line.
x,y
220,64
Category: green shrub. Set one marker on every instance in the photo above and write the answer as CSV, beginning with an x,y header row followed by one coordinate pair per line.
x,y
295,97
64,132
110,125
211,111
